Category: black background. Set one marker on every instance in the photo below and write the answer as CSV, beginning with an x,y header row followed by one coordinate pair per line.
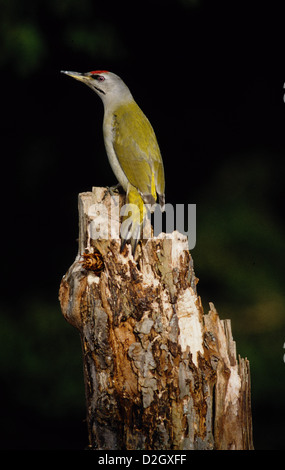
x,y
209,76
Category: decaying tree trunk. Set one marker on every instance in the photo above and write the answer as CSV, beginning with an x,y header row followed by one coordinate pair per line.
x,y
159,373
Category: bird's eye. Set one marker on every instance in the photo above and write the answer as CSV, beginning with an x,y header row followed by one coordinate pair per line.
x,y
99,78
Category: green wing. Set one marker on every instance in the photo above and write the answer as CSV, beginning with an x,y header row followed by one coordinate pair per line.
x,y
137,150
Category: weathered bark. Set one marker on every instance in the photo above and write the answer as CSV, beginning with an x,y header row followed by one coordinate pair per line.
x,y
159,373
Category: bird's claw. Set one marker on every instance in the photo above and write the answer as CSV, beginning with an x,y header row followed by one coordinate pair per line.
x,y
112,190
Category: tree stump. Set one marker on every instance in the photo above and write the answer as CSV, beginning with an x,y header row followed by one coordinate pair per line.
x,y
159,373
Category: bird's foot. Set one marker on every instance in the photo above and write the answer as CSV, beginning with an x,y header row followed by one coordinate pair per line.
x,y
112,190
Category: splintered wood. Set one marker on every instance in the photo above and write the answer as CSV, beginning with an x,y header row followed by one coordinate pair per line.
x,y
159,373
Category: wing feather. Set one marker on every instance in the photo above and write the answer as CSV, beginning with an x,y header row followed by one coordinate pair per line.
x,y
137,151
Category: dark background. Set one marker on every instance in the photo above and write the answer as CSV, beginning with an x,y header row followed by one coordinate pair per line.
x,y
209,76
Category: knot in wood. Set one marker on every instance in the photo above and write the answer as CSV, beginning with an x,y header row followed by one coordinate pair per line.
x,y
93,262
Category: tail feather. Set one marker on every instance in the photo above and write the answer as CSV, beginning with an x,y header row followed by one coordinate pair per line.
x,y
135,215
130,232
161,198
133,218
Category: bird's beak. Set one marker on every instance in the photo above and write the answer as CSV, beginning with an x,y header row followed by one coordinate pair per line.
x,y
78,76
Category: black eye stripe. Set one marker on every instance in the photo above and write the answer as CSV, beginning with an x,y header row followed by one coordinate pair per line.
x,y
98,77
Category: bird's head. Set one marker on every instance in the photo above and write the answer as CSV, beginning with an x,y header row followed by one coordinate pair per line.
x,y
109,86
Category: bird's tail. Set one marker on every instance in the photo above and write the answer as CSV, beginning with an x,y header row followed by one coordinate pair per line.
x,y
133,218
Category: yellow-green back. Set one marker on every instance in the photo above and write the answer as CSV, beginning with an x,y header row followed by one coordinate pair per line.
x,y
137,150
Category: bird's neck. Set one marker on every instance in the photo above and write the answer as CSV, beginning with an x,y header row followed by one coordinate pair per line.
x,y
112,102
